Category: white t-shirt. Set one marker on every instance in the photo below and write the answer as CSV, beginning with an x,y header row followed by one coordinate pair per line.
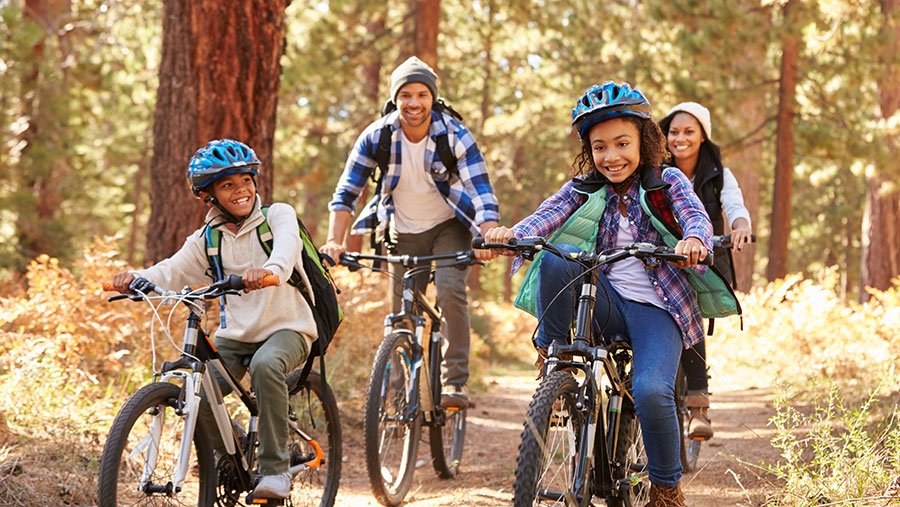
x,y
628,276
418,206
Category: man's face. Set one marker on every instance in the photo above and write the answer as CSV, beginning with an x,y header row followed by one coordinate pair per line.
x,y
414,102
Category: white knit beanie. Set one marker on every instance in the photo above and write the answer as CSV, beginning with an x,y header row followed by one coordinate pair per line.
x,y
413,70
697,111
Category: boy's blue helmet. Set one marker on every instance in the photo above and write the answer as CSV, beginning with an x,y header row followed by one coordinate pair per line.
x,y
609,100
220,158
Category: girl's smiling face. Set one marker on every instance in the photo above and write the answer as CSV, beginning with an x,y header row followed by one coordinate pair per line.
x,y
616,148
236,193
684,136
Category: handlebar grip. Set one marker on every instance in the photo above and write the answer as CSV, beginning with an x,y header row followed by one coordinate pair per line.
x,y
478,243
270,280
709,260
108,286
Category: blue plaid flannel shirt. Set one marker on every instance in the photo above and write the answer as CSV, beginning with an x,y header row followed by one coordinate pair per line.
x,y
670,283
471,195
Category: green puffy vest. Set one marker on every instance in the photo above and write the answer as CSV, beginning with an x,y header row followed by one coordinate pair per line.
x,y
714,295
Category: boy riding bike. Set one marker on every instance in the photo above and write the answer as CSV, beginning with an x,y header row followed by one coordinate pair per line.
x,y
275,326
621,195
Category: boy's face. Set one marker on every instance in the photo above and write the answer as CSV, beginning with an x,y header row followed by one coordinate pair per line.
x,y
235,193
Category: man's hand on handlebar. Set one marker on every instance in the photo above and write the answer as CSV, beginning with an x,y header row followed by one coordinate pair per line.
x,y
121,281
693,249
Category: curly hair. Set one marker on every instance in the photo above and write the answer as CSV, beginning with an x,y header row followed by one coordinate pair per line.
x,y
653,147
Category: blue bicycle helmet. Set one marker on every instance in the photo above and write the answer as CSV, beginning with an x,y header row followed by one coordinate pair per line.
x,y
609,100
220,158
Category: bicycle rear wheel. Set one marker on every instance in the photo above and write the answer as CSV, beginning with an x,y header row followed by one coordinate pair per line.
x,y
391,437
548,449
447,440
632,459
690,449
314,440
130,451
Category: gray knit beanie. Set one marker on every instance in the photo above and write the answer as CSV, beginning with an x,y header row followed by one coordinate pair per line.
x,y
413,70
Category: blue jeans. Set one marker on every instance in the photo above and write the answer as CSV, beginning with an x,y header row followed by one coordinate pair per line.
x,y
656,344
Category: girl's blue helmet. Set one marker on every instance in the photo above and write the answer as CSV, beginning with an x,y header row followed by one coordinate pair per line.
x,y
609,100
220,158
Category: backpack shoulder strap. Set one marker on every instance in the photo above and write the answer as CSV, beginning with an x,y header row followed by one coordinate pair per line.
x,y
213,242
266,240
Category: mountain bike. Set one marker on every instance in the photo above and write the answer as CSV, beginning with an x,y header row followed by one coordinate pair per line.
x,y
147,456
690,447
576,445
404,388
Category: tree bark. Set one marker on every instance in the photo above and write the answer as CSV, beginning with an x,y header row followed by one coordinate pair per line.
x,y
219,78
881,234
428,16
784,147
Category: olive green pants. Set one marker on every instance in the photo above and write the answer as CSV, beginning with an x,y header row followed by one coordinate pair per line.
x,y
272,360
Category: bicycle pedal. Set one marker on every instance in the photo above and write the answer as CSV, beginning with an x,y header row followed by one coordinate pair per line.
x,y
252,500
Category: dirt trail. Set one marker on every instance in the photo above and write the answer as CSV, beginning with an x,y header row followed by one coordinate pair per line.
x,y
486,475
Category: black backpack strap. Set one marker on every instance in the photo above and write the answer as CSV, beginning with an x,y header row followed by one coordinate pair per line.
x,y
267,241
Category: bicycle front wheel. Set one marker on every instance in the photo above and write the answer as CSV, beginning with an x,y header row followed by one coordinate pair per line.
x,y
392,422
447,441
545,467
314,441
137,466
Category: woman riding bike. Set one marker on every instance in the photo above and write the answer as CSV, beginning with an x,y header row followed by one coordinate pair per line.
x,y
654,306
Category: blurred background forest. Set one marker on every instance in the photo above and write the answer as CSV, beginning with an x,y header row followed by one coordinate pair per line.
x,y
102,102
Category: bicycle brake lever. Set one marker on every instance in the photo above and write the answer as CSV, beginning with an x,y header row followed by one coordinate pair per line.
x,y
118,297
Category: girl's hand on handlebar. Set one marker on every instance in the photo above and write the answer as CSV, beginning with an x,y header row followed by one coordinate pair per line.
x,y
253,278
500,235
122,280
693,249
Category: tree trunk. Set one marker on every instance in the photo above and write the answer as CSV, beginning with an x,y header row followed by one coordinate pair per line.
x,y
784,147
881,234
428,16
746,161
218,78
44,179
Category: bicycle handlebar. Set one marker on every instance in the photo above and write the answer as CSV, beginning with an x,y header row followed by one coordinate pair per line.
x,y
228,284
461,258
534,244
724,241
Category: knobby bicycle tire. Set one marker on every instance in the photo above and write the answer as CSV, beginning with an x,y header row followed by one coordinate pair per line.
x,y
447,440
391,442
313,409
446,435
122,461
631,457
547,450
690,449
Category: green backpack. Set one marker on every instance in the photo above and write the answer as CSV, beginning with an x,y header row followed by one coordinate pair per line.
x,y
323,301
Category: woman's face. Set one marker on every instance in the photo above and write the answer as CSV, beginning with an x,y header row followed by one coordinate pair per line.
x,y
684,136
616,148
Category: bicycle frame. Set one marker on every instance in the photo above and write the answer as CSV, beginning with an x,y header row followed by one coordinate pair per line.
x,y
598,361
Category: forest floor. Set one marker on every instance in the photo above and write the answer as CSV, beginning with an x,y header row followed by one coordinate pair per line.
x,y
740,415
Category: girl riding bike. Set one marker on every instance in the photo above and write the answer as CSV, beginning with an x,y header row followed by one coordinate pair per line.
x,y
620,194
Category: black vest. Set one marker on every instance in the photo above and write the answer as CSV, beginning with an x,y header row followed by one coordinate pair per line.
x,y
708,186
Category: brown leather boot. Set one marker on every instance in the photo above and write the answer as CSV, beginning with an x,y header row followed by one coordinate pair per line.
x,y
661,496
700,426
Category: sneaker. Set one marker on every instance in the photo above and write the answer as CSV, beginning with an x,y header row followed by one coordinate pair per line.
x,y
455,397
699,426
273,486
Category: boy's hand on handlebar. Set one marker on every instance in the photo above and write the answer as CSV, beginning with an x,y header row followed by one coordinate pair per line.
x,y
486,254
500,235
121,281
253,278
693,249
